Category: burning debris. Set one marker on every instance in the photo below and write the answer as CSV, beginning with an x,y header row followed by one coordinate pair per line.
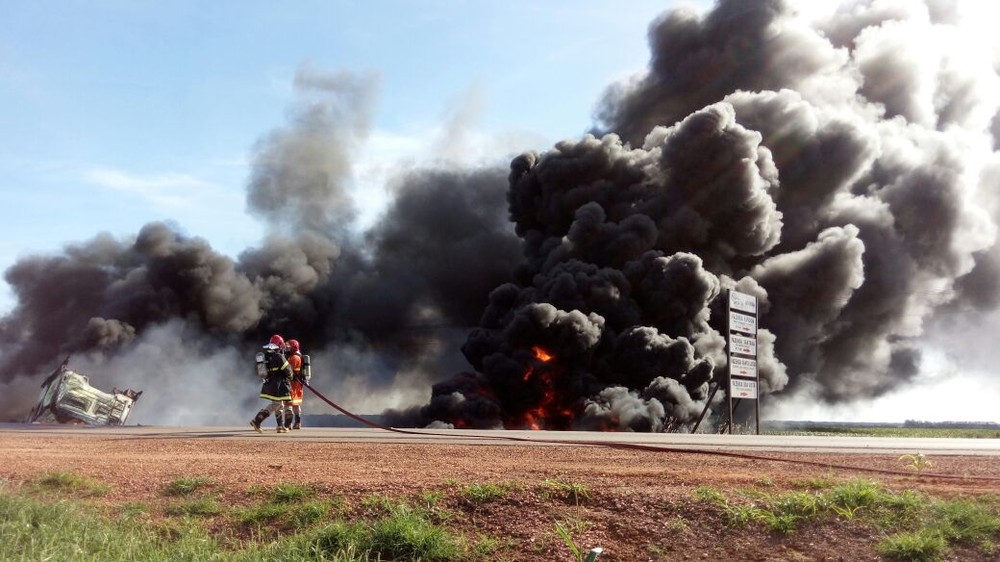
x,y
759,152
67,397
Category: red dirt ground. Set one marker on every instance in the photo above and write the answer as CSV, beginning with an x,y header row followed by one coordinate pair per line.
x,y
640,505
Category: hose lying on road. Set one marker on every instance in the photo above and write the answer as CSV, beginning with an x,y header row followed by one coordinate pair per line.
x,y
655,448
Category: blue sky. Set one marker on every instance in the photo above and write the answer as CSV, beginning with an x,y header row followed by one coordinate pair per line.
x,y
114,114
118,113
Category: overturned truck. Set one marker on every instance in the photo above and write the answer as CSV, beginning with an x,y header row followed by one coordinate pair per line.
x,y
67,397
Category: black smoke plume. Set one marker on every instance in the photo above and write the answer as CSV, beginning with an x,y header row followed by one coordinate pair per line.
x,y
843,171
823,167
379,313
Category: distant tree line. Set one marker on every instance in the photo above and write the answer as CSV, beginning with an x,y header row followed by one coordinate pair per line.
x,y
819,425
951,424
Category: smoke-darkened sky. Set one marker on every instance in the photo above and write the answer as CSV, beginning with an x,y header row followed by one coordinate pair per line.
x,y
841,169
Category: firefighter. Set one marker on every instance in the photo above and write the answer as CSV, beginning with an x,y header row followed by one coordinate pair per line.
x,y
277,376
293,407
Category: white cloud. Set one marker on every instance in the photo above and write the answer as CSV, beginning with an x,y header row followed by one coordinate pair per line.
x,y
168,190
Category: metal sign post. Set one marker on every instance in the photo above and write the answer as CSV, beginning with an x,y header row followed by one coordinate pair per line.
x,y
741,342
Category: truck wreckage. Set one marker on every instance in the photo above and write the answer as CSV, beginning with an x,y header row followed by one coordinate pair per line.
x,y
67,397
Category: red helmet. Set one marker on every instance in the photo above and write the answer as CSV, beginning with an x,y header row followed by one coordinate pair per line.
x,y
277,340
293,346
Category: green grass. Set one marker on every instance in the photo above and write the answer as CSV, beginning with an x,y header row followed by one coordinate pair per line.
x,y
285,516
709,494
963,520
482,493
195,507
407,535
76,484
566,531
783,511
855,494
54,518
290,492
402,535
567,491
37,526
799,504
764,482
287,507
37,530
381,503
782,523
921,546
307,514
920,528
814,483
185,486
486,547
34,530
431,498
738,515
943,432
133,510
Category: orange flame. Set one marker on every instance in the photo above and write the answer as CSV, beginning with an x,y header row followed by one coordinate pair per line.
x,y
548,412
541,354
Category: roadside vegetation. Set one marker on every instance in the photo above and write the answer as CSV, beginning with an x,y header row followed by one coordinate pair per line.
x,y
882,431
66,516
915,527
75,485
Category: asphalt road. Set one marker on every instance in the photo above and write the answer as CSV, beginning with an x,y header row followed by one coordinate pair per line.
x,y
742,443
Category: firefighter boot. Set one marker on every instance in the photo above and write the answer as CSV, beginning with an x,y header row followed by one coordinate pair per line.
x,y
288,418
255,422
279,416
298,423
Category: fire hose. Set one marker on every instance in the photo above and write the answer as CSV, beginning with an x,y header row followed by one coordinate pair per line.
x,y
651,448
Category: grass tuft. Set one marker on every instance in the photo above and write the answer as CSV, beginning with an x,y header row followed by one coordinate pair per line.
x,y
290,492
185,486
74,483
285,516
483,493
36,530
567,491
962,520
405,535
921,546
925,527
196,507
709,494
381,503
287,508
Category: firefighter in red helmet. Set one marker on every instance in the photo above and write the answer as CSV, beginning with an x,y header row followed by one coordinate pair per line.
x,y
276,373
293,407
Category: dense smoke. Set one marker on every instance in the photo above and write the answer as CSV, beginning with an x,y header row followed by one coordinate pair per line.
x,y
835,170
165,313
844,172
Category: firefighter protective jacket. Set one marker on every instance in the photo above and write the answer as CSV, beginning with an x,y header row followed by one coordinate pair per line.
x,y
277,385
295,360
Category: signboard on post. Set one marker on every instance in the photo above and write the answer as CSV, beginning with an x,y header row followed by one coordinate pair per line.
x,y
741,341
743,302
743,388
742,345
742,323
742,367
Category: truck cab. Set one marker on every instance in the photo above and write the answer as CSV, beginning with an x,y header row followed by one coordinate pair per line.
x,y
67,397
